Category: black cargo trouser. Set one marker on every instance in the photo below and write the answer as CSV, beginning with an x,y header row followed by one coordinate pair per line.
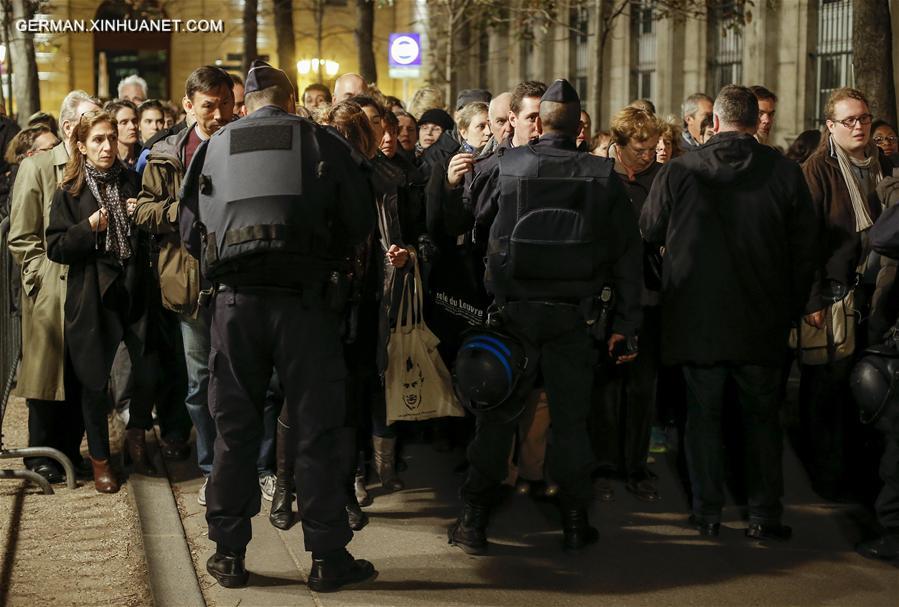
x,y
254,330
556,339
758,392
887,504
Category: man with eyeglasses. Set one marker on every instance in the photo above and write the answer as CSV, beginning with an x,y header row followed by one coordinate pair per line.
x,y
767,108
842,176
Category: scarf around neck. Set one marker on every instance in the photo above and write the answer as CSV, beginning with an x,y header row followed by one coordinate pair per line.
x,y
863,219
104,185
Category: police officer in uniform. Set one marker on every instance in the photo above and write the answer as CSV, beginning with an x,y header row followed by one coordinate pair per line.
x,y
561,227
270,204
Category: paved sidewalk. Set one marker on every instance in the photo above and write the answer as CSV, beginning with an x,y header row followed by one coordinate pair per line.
x,y
646,556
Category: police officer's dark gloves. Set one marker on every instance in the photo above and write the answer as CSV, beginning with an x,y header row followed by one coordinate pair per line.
x,y
333,570
227,567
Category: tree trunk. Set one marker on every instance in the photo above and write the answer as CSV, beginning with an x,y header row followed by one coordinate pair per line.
x,y
250,27
598,65
26,87
365,27
285,39
872,56
319,35
450,57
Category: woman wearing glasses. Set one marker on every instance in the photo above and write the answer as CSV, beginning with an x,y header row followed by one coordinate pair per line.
x,y
885,137
621,433
842,176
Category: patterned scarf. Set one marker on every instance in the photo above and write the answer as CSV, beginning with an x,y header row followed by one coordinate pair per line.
x,y
104,185
856,190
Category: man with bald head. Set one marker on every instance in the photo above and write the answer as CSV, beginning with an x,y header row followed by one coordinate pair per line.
x,y
349,85
498,116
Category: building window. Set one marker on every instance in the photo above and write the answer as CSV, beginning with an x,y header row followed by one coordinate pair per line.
x,y
725,37
834,51
643,50
579,22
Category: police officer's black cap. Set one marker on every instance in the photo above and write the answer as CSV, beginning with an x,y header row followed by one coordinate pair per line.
x,y
561,91
262,75
471,95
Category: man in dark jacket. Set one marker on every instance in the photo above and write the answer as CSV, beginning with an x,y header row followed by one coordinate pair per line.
x,y
738,228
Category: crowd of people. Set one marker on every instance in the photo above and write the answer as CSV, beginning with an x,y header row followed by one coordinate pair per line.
x,y
716,244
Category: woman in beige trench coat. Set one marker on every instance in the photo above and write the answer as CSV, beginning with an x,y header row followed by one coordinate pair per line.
x,y
54,414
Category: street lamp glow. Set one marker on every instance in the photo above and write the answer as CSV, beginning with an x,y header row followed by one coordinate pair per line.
x,y
318,66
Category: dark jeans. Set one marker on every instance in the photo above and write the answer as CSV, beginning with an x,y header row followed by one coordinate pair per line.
x,y
757,391
829,425
624,403
557,341
164,370
95,404
254,330
887,503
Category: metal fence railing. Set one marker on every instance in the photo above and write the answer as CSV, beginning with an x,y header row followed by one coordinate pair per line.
x,y
10,354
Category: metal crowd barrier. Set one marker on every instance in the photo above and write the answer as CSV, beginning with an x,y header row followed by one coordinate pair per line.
x,y
10,353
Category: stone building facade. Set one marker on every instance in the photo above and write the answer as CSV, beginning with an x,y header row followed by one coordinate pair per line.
x,y
800,49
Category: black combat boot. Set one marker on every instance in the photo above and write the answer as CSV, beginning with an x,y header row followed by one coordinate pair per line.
x,y
281,514
469,532
576,530
227,567
332,571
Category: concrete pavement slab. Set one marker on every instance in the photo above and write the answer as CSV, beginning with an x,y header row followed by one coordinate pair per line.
x,y
646,555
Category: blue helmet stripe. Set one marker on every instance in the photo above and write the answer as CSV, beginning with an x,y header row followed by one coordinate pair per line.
x,y
495,342
473,345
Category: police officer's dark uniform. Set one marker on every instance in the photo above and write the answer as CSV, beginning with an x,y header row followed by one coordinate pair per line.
x,y
276,199
561,226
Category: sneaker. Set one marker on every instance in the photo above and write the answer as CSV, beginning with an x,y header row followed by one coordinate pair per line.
x,y
267,485
201,494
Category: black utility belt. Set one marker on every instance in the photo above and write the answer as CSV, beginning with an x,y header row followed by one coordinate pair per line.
x,y
304,289
550,301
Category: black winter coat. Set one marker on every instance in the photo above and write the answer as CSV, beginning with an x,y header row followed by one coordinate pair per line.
x,y
741,239
103,296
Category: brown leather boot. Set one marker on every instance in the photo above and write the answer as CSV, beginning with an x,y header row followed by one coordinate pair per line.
x,y
105,480
136,442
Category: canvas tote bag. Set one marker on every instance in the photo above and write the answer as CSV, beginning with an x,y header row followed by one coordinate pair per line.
x,y
418,384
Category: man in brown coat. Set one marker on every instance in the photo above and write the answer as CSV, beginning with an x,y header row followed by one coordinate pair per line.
x,y
43,375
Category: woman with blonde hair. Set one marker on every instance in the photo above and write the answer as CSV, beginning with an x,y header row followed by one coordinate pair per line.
x,y
427,98
108,282
626,393
474,127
